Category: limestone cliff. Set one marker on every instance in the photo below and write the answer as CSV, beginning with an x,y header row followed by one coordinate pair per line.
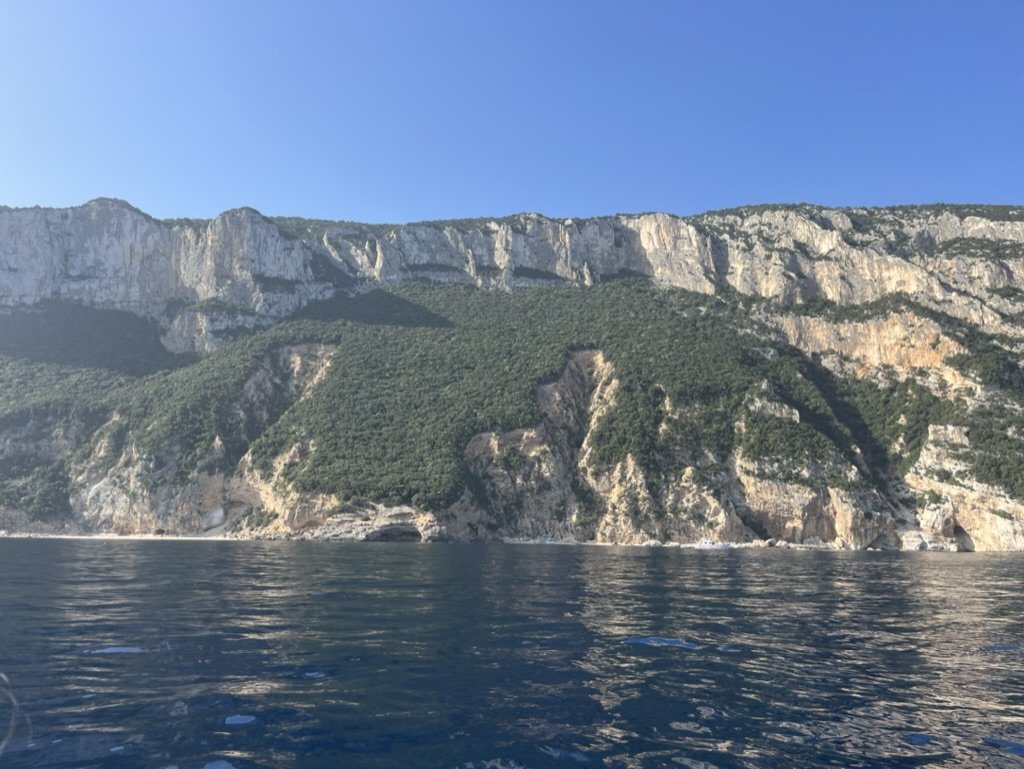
x,y
927,299
243,268
120,487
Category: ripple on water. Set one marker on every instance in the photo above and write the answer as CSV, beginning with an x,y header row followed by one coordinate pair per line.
x,y
1002,648
1010,746
919,739
678,643
239,720
542,658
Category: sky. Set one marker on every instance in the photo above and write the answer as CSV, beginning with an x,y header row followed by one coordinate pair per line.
x,y
388,111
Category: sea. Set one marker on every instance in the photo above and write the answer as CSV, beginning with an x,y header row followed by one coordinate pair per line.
x,y
232,654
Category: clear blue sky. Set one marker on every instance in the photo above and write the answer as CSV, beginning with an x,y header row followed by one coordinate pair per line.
x,y
398,111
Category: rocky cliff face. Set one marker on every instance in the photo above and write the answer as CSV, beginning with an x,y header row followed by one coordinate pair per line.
x,y
108,254
544,482
249,269
122,488
809,272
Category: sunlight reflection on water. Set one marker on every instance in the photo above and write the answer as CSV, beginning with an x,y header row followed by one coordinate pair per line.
x,y
154,654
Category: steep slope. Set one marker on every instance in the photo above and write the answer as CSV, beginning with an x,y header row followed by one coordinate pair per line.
x,y
241,269
790,373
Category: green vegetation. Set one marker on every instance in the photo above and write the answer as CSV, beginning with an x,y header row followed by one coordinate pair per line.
x,y
312,230
391,421
72,335
28,389
979,248
762,208
535,274
421,368
840,313
928,498
252,519
187,223
38,488
516,222
995,213
866,219
1008,292
895,416
274,283
996,453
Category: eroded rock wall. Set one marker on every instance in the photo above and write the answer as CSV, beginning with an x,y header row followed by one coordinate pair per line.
x,y
108,254
205,280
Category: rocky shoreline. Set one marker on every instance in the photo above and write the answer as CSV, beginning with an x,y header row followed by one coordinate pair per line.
x,y
314,535
897,422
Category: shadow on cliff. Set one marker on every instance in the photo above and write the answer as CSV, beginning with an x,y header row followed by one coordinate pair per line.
x,y
69,334
866,452
374,308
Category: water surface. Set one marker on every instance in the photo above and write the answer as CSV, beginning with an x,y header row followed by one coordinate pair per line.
x,y
307,654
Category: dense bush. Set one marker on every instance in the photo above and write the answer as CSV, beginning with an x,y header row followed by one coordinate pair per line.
x,y
421,368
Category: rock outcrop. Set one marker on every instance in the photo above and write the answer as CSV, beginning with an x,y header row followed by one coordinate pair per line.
x,y
544,482
956,508
120,487
797,268
201,278
108,254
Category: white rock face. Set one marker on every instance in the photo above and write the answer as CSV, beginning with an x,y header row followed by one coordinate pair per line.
x,y
903,344
108,254
543,482
958,509
205,279
119,488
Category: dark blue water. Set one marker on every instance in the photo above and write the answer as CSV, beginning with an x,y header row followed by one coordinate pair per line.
x,y
248,654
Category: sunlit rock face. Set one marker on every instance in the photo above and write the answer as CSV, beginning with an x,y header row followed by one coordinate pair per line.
x,y
109,254
205,282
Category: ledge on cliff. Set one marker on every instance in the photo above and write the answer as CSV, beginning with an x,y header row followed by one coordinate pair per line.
x,y
801,354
